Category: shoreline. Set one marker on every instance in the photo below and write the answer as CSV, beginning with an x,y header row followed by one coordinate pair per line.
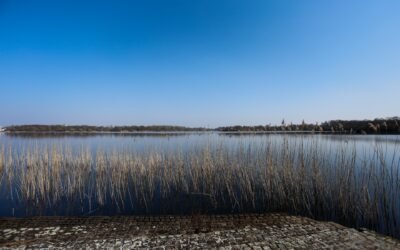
x,y
244,231
187,132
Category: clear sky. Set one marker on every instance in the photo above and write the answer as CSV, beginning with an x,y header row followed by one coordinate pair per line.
x,y
198,62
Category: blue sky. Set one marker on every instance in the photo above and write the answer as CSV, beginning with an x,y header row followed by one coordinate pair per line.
x,y
198,63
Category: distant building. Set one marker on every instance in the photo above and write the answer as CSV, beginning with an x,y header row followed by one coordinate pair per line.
x,y
2,129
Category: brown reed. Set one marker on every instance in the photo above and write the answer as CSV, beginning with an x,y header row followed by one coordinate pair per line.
x,y
344,186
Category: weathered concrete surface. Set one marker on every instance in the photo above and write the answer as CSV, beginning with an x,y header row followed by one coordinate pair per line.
x,y
268,231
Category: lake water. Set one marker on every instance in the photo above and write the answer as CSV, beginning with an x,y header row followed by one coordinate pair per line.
x,y
184,141
20,196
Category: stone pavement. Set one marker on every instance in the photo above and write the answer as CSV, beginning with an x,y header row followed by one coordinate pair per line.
x,y
251,231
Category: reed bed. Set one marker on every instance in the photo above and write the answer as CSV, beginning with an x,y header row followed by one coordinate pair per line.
x,y
340,184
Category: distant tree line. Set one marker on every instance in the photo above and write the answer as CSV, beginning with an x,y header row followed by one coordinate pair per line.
x,y
376,126
86,128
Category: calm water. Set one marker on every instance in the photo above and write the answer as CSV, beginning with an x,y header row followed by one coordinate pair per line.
x,y
186,141
363,145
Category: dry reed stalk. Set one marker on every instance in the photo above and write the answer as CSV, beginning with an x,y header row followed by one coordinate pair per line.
x,y
1,163
298,178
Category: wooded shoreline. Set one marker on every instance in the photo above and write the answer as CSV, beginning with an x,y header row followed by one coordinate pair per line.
x,y
376,126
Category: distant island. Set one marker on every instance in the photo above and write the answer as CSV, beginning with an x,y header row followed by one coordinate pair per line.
x,y
376,126
97,129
